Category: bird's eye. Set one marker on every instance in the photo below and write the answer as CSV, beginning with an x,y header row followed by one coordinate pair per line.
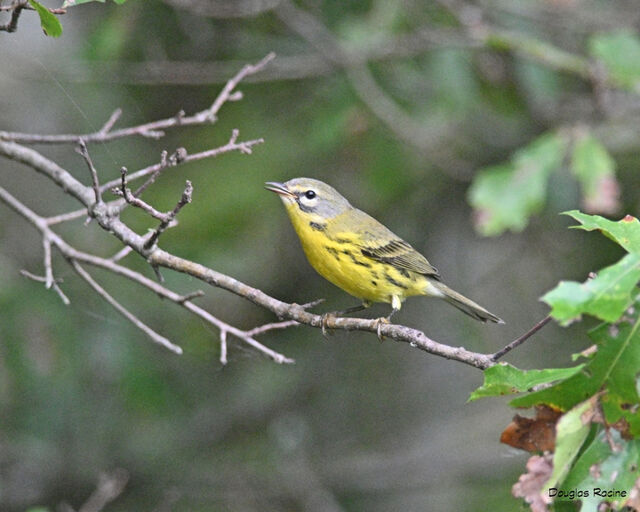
x,y
309,194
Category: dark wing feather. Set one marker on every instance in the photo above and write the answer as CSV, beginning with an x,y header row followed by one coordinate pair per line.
x,y
401,255
381,244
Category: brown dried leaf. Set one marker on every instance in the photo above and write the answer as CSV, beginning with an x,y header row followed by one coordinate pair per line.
x,y
533,434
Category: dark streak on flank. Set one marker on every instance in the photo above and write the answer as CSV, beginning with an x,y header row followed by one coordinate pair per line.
x,y
342,241
392,281
374,283
404,272
355,260
318,227
333,251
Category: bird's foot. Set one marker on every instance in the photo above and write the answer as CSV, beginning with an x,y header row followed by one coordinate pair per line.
x,y
323,325
365,304
379,322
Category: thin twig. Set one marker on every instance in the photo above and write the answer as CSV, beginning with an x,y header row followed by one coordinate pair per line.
x,y
226,93
73,254
66,217
521,339
152,129
133,200
244,147
256,331
106,127
25,5
110,486
164,163
16,8
84,152
42,279
155,337
48,266
191,296
223,347
170,216
121,253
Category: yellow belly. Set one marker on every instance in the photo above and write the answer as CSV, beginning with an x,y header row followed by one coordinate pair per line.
x,y
341,263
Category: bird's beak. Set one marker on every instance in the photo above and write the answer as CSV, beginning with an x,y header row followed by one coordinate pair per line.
x,y
278,188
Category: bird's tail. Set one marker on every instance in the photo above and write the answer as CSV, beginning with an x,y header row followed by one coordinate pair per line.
x,y
463,304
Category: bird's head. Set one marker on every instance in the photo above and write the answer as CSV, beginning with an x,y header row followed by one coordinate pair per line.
x,y
310,199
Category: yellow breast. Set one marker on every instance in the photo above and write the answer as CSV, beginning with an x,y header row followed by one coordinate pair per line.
x,y
339,260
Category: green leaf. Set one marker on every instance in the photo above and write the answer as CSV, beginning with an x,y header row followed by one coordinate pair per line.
x,y
571,433
595,170
620,53
596,451
612,370
625,232
49,22
606,296
598,467
505,196
504,379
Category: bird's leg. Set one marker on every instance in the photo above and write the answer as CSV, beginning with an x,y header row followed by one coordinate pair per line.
x,y
396,304
365,304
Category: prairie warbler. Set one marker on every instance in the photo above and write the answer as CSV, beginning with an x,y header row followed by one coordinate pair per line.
x,y
358,254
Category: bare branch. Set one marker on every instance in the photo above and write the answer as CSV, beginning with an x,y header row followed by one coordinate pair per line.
x,y
65,217
226,93
43,279
113,119
190,296
152,129
158,257
256,331
110,486
74,255
169,217
121,253
107,217
519,341
133,199
223,348
244,147
16,9
48,268
155,337
84,152
232,145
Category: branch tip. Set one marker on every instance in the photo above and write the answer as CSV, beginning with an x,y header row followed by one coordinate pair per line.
x,y
223,347
520,340
106,127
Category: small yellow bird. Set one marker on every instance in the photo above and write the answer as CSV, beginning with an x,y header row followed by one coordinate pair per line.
x,y
358,254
